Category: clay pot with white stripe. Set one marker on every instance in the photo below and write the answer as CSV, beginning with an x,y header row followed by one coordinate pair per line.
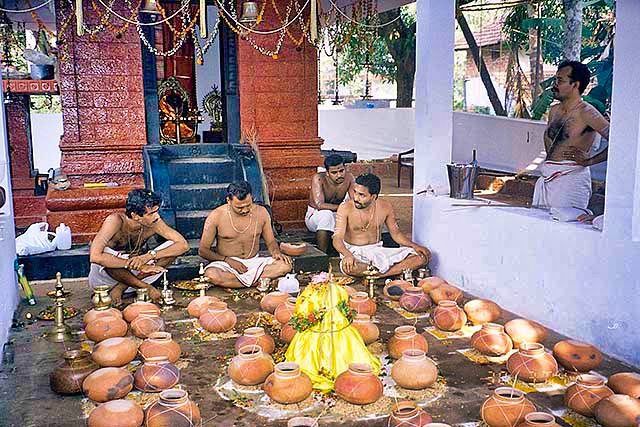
x,y
491,340
584,395
532,363
406,338
447,316
506,407
218,318
156,374
174,408
251,366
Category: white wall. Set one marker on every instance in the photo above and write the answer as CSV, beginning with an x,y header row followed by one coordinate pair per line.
x,y
46,130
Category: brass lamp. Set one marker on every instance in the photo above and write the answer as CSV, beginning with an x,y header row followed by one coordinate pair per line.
x,y
249,12
151,7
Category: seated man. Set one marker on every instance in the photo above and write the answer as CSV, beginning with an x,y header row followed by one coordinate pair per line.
x,y
328,190
570,134
118,254
358,234
237,227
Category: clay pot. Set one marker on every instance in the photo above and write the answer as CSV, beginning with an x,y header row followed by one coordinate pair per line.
x,y
108,384
350,291
256,336
302,422
251,366
287,333
506,407
199,305
406,338
523,330
367,329
68,377
160,344
618,410
133,310
146,323
218,318
117,413
414,370
406,413
156,374
287,384
93,314
587,391
115,352
105,327
532,363
491,340
539,419
577,356
446,292
414,300
395,288
430,283
272,300
285,310
625,383
447,316
361,302
174,408
358,384
293,249
481,311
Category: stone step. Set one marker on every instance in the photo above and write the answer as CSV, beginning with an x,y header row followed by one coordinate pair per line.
x,y
195,150
201,170
191,223
188,197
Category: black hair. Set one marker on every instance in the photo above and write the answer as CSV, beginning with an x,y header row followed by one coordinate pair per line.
x,y
238,189
579,73
139,200
333,160
370,181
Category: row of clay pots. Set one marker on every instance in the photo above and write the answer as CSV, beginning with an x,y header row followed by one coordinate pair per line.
x,y
111,323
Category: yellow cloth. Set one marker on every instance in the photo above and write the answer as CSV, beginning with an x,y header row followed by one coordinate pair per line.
x,y
325,350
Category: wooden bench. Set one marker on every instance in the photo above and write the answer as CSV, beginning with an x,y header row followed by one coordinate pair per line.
x,y
405,160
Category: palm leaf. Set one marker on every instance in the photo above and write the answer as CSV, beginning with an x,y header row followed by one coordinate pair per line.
x,y
541,104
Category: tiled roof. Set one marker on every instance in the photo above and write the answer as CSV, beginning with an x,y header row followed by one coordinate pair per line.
x,y
488,35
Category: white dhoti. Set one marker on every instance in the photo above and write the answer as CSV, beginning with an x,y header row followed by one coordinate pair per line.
x,y
317,220
99,276
563,184
381,258
255,267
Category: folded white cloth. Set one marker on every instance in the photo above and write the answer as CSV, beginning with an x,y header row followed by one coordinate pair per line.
x,y
254,265
562,184
381,258
568,214
320,220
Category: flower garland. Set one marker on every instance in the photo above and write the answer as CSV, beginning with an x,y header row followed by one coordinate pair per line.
x,y
301,323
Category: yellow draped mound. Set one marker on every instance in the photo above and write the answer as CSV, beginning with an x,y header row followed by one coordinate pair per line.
x,y
326,349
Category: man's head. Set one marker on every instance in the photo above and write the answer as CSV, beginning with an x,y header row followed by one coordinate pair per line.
x,y
143,206
366,190
334,164
239,197
572,79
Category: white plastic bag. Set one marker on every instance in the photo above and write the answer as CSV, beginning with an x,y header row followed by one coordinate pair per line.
x,y
36,240
63,237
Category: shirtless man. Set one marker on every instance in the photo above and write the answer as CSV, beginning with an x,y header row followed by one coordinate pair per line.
x,y
236,227
570,134
328,190
358,234
118,254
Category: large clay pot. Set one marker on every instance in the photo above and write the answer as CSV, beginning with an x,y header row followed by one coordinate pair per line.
x,y
481,311
93,314
133,310
367,329
625,383
358,384
447,316
293,249
539,419
108,384
251,366
394,289
105,327
584,395
523,330
115,352
406,338
156,374
414,370
272,300
218,318
618,410
361,302
287,333
174,408
256,336
506,407
406,413
577,356
146,323
430,283
68,377
160,344
491,340
285,310
287,384
532,363
117,413
446,292
414,300
199,305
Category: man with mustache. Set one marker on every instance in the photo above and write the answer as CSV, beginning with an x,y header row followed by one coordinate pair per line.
x,y
570,134
328,190
358,234
119,254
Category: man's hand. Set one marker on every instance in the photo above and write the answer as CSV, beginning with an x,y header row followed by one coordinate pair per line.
x,y
349,263
154,294
423,252
151,269
236,265
586,218
577,155
282,257
136,262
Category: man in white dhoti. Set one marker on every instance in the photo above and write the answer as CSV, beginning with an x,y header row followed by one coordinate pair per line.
x,y
570,134
237,227
358,234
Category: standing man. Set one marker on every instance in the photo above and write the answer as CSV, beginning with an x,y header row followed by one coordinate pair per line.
x,y
328,190
358,234
237,227
119,256
570,134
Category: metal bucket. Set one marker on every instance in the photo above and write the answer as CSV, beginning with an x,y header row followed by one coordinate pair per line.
x,y
462,180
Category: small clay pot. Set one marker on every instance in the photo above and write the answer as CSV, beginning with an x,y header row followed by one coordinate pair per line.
x,y
199,305
358,385
285,310
251,366
117,413
68,377
395,288
446,292
406,413
367,329
532,363
447,316
481,311
114,352
406,338
174,408
584,395
146,323
93,314
293,249
133,310
287,384
523,330
414,300
256,336
105,327
414,370
625,383
430,283
160,344
618,410
491,340
108,384
218,318
272,300
577,356
361,302
539,419
287,333
506,407
156,374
